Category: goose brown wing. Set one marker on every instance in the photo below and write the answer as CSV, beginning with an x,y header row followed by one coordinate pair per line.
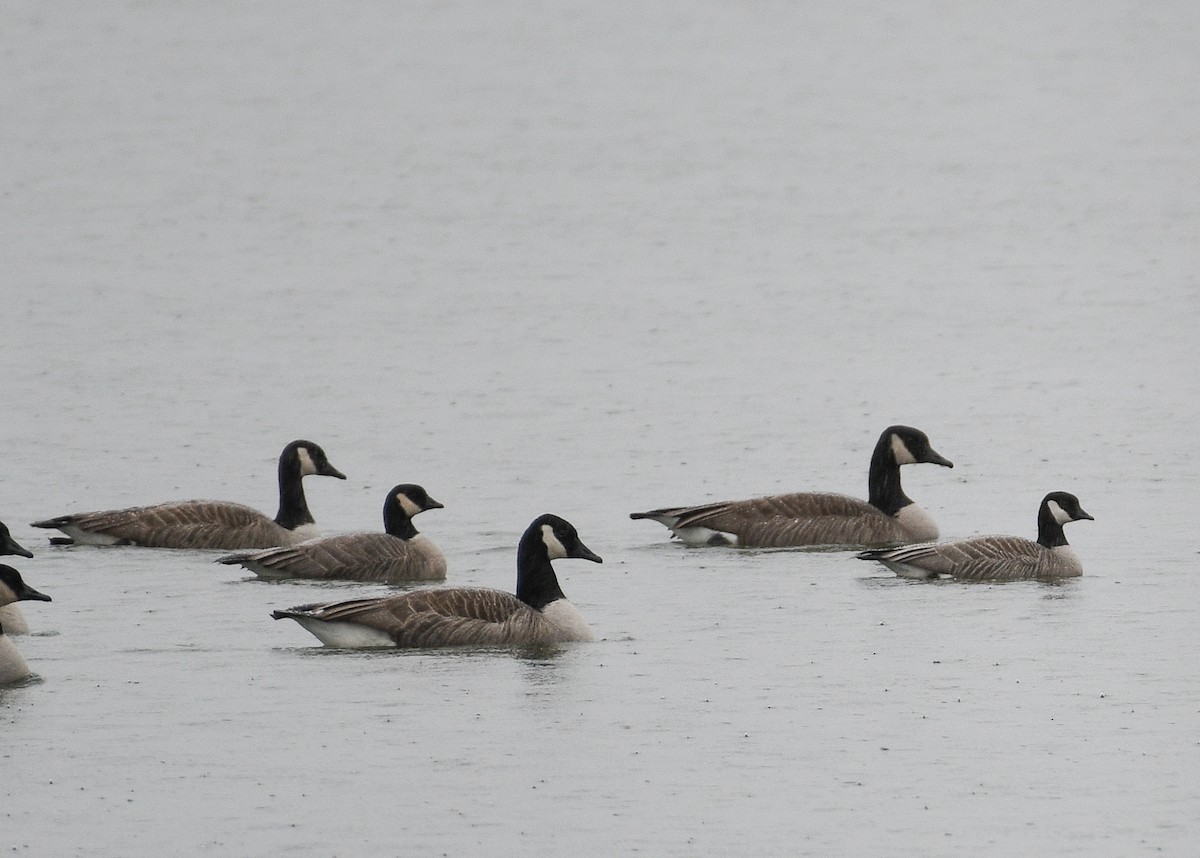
x,y
439,617
802,518
981,558
185,524
354,556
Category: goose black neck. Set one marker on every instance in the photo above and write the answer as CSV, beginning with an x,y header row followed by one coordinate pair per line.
x,y
293,507
396,521
1050,532
537,585
886,494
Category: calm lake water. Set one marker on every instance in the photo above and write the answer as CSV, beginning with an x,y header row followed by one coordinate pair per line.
x,y
590,259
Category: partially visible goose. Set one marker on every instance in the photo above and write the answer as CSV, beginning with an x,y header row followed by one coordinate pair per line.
x,y
996,558
13,589
888,517
8,545
453,616
209,524
10,615
398,554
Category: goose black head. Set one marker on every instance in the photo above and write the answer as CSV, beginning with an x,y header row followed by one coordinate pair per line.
x,y
910,446
412,499
1057,509
8,545
14,589
402,503
559,539
547,538
309,459
1064,507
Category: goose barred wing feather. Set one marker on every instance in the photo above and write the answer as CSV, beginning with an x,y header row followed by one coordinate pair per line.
x,y
472,617
984,558
181,524
356,556
779,521
440,617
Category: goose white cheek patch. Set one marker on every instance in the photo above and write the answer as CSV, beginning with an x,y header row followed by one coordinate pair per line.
x,y
900,450
307,467
406,504
553,547
1060,514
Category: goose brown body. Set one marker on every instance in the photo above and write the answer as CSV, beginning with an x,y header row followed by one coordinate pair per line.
x,y
801,518
454,616
180,524
352,556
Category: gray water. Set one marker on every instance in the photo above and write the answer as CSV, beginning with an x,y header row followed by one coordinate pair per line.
x,y
594,258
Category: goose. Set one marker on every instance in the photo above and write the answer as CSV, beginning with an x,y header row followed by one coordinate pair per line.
x,y
889,517
10,615
996,558
398,554
8,545
454,616
205,523
13,589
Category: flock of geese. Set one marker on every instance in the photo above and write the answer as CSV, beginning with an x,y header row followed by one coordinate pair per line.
x,y
888,527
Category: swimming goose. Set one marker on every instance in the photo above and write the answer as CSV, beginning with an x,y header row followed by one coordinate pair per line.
x,y
398,554
996,558
453,616
209,524
819,518
10,615
14,589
